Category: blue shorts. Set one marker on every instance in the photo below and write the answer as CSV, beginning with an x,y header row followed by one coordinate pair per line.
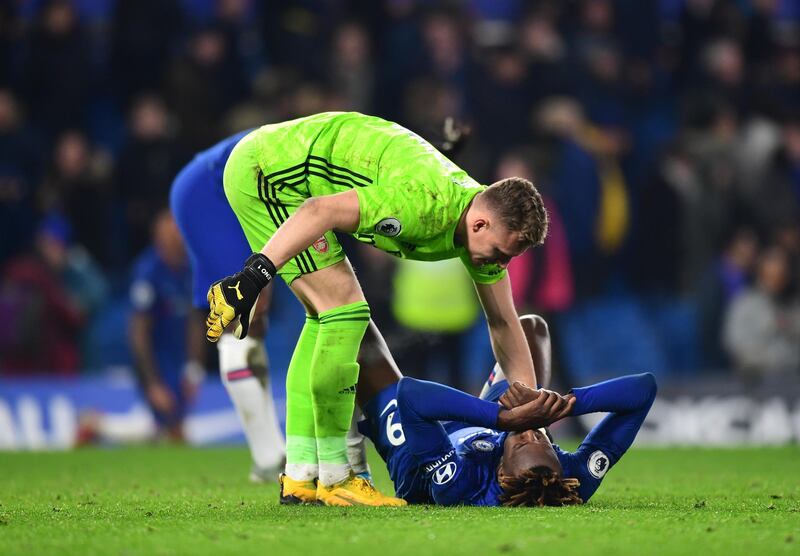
x,y
383,425
214,239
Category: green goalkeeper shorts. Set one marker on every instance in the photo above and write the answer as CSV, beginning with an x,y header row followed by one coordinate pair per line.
x,y
262,207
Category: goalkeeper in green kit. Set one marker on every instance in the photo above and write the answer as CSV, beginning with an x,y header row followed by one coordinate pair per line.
x,y
291,185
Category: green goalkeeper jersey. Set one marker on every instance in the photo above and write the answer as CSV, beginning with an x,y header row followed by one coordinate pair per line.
x,y
411,197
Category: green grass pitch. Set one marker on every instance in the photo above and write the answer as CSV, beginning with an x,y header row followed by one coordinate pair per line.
x,y
167,500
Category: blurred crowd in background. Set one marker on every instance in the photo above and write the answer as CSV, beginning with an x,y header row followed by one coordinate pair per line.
x,y
664,136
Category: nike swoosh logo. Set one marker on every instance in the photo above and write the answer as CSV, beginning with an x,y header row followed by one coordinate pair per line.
x,y
389,406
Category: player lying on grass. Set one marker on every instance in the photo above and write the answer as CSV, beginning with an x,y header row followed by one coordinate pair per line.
x,y
291,186
447,447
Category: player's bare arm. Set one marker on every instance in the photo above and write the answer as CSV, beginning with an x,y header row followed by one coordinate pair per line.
x,y
519,394
542,410
313,219
140,329
508,339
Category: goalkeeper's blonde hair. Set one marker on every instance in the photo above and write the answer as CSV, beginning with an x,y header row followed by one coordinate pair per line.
x,y
520,207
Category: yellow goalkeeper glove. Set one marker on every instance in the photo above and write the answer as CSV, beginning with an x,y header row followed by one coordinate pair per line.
x,y
236,296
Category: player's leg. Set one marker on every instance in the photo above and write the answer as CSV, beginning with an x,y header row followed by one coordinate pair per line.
x,y
334,293
259,218
336,296
377,371
197,198
244,369
382,423
327,286
538,335
298,483
378,368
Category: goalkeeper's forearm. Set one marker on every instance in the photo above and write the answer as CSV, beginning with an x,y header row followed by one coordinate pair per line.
x,y
315,217
237,295
512,352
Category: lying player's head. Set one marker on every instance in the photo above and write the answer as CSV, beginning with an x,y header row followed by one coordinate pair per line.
x,y
531,475
508,217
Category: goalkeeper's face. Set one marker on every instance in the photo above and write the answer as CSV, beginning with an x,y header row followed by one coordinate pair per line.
x,y
492,243
526,450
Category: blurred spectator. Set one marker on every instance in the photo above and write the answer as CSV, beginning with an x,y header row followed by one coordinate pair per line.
x,y
775,195
238,21
546,53
660,130
444,41
723,282
144,33
75,186
501,100
19,173
760,38
703,176
260,108
202,84
159,326
352,76
700,21
723,65
146,167
589,189
429,101
575,185
400,56
48,296
309,98
783,87
295,34
657,250
600,88
436,304
9,30
762,328
57,72
541,278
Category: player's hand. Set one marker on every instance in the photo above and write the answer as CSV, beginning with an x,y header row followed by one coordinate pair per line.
x,y
544,409
518,394
236,296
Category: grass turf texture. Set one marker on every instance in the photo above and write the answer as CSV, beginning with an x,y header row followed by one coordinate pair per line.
x,y
167,500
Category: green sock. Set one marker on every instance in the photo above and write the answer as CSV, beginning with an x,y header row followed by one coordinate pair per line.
x,y
301,443
334,374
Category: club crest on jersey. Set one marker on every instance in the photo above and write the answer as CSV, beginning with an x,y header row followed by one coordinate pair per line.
x,y
598,464
321,245
444,474
483,445
388,227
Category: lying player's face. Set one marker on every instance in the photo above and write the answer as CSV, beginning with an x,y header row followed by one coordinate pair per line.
x,y
527,449
492,243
